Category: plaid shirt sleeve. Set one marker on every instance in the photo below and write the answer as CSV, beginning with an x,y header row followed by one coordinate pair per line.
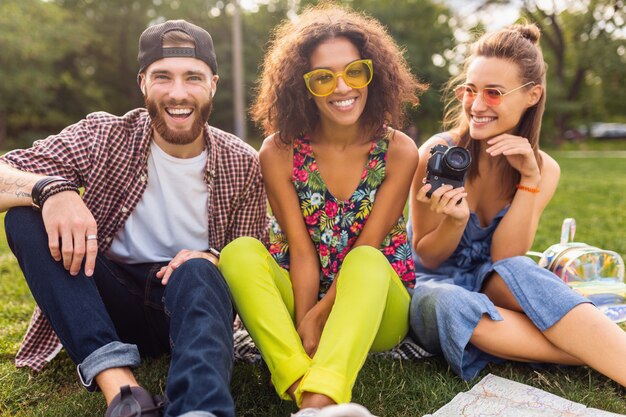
x,y
65,154
239,203
40,344
250,218
69,154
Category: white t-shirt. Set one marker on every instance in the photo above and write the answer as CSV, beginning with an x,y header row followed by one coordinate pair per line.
x,y
172,214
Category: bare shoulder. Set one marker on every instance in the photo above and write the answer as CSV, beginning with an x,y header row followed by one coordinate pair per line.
x,y
550,175
274,155
402,147
269,145
433,141
400,139
550,168
273,150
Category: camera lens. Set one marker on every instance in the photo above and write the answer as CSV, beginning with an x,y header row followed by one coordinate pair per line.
x,y
457,158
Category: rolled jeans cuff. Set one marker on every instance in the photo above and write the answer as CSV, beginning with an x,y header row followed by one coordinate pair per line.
x,y
197,414
112,355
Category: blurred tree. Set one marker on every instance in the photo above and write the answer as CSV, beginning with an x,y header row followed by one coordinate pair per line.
x,y
426,30
257,24
61,59
115,26
40,45
584,46
89,62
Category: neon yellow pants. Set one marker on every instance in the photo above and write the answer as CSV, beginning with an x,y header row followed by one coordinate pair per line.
x,y
371,312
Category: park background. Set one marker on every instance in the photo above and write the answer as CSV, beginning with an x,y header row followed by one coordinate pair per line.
x,y
61,59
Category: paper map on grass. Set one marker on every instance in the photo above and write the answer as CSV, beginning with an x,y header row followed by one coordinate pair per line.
x,y
495,396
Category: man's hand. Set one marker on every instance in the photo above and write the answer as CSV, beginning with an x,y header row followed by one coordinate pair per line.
x,y
68,223
180,258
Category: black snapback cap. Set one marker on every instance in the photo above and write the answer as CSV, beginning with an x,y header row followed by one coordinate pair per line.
x,y
151,44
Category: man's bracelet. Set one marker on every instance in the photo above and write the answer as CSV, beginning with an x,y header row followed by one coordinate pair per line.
x,y
43,190
40,185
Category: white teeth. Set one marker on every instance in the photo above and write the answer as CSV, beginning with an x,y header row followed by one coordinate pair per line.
x,y
179,112
483,119
344,103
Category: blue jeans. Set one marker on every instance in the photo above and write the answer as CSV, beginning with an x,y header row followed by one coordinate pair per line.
x,y
123,311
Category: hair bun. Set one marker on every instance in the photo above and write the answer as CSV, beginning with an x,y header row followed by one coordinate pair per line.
x,y
528,31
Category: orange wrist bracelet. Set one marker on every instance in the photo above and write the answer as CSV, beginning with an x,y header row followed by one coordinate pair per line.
x,y
529,189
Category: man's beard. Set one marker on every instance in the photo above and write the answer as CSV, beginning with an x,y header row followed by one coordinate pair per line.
x,y
178,137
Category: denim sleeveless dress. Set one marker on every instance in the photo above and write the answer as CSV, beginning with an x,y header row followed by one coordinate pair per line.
x,y
446,304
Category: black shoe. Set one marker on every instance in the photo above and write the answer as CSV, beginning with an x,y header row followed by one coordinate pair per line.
x,y
135,402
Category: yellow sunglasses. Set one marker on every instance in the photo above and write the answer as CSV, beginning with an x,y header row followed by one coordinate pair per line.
x,y
322,82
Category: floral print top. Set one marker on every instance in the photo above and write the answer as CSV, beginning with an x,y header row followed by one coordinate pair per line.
x,y
335,225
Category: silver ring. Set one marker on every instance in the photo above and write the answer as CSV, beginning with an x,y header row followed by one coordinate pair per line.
x,y
91,237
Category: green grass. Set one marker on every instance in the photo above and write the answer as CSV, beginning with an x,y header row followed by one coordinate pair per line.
x,y
591,190
594,145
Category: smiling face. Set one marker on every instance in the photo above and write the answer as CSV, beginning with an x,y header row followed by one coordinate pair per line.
x,y
179,95
344,106
487,121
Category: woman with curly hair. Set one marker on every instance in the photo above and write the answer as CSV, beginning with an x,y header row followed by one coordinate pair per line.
x,y
333,283
477,298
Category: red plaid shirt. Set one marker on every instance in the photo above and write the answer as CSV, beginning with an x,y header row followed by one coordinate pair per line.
x,y
108,156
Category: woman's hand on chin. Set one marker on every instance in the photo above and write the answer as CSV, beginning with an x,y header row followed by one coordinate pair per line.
x,y
518,153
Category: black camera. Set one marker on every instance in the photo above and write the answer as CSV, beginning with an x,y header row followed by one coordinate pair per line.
x,y
447,165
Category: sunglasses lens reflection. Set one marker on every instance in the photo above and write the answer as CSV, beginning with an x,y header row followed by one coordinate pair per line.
x,y
357,74
322,82
491,96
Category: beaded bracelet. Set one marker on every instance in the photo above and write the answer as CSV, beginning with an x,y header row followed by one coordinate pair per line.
x,y
44,193
533,190
39,187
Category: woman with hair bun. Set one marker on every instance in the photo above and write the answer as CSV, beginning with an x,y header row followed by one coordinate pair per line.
x,y
477,298
333,283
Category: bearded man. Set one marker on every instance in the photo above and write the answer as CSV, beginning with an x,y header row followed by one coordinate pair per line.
x,y
129,268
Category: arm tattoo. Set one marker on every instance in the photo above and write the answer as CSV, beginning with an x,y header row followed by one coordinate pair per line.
x,y
18,182
14,186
